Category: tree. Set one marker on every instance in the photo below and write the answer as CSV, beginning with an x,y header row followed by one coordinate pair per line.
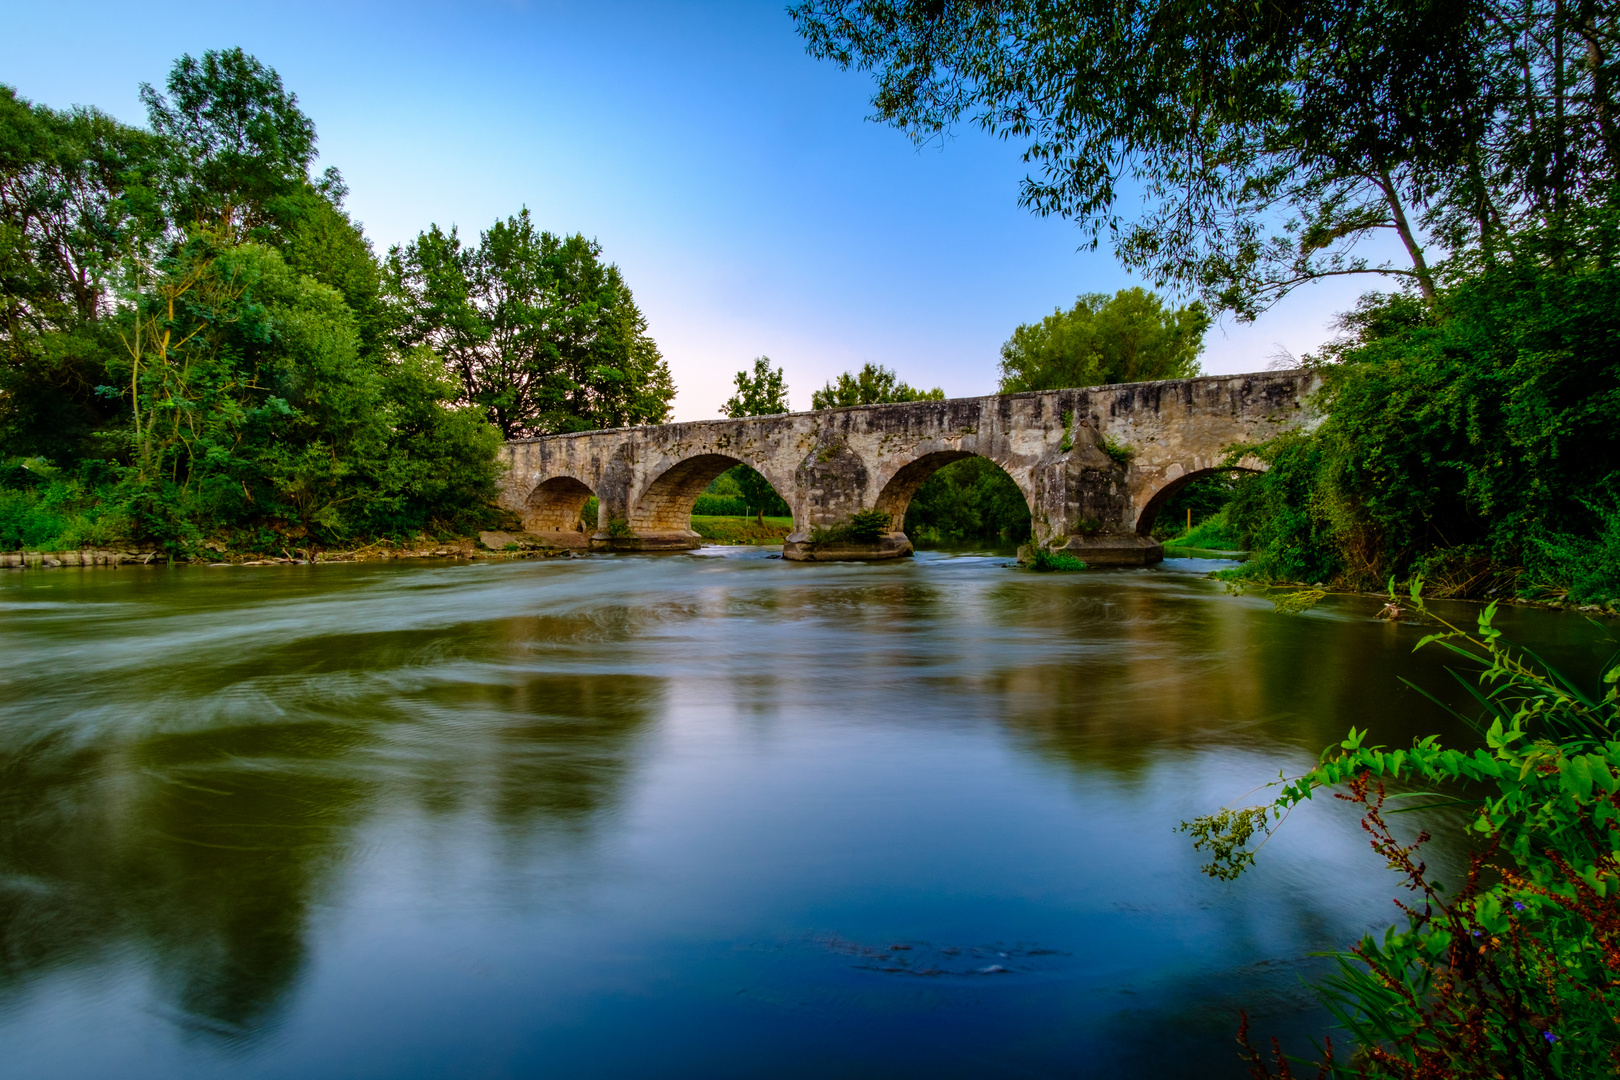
x,y
542,333
764,393
73,208
237,144
193,341
1267,142
1129,337
873,385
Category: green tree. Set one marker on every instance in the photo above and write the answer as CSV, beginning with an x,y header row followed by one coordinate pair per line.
x,y
74,209
1471,442
193,325
1265,143
542,333
763,393
237,145
973,497
874,384
1128,337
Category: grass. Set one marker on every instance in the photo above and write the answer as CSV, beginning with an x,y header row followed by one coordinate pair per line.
x,y
741,530
1211,534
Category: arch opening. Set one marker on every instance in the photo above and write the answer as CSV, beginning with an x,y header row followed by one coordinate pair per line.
x,y
666,506
1192,508
955,494
555,510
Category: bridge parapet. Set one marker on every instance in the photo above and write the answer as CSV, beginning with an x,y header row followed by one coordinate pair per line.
x,y
1094,463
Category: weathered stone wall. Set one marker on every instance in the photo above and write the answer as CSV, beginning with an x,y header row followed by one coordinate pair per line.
x,y
828,465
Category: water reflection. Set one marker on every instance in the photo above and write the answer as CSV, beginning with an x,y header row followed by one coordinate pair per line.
x,y
400,815
197,805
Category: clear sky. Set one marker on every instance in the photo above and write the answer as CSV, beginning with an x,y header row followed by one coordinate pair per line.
x,y
753,208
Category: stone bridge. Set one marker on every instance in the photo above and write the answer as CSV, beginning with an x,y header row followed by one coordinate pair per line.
x,y
1095,464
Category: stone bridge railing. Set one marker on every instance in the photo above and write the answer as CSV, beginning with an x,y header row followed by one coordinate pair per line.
x,y
1095,464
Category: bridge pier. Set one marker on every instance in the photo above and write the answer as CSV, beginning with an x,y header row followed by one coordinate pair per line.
x,y
658,541
802,547
1117,549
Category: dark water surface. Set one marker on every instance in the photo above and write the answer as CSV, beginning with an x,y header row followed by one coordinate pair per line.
x,y
700,815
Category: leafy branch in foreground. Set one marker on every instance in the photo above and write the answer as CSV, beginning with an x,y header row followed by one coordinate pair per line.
x,y
1517,971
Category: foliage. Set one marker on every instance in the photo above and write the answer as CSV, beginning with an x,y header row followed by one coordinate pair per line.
x,y
1214,533
236,146
721,506
1120,453
1474,440
862,526
1513,971
1128,337
543,334
1266,143
874,384
74,200
764,393
197,342
973,497
1204,501
1045,561
1296,601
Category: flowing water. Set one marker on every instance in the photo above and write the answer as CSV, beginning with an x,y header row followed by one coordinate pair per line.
x,y
704,815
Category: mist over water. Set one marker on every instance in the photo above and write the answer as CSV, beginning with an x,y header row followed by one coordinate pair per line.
x,y
695,815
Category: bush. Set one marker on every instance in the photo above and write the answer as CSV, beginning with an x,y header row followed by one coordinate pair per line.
x,y
1045,561
1583,571
1515,969
1482,428
720,506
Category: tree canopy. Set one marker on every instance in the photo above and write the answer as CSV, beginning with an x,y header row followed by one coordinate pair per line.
x,y
1267,144
1128,337
761,392
197,342
874,384
543,334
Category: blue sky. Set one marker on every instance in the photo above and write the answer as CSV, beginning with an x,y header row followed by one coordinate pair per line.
x,y
752,207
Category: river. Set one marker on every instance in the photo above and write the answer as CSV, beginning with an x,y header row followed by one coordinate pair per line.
x,y
699,815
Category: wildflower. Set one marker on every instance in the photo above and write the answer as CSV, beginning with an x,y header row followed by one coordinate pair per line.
x,y
1549,1036
1517,906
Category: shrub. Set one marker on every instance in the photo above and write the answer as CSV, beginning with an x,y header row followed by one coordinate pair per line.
x,y
1514,970
1045,561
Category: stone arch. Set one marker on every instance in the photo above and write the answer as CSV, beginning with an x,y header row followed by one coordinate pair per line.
x,y
665,507
1157,497
897,493
552,510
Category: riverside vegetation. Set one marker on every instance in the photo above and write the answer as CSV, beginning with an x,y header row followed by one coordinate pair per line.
x,y
1515,969
199,347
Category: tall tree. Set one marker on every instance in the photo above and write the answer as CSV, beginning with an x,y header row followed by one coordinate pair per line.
x,y
874,384
238,146
1267,143
74,210
1128,337
541,331
760,393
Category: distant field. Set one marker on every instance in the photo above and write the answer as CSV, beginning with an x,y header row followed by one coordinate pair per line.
x,y
741,530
